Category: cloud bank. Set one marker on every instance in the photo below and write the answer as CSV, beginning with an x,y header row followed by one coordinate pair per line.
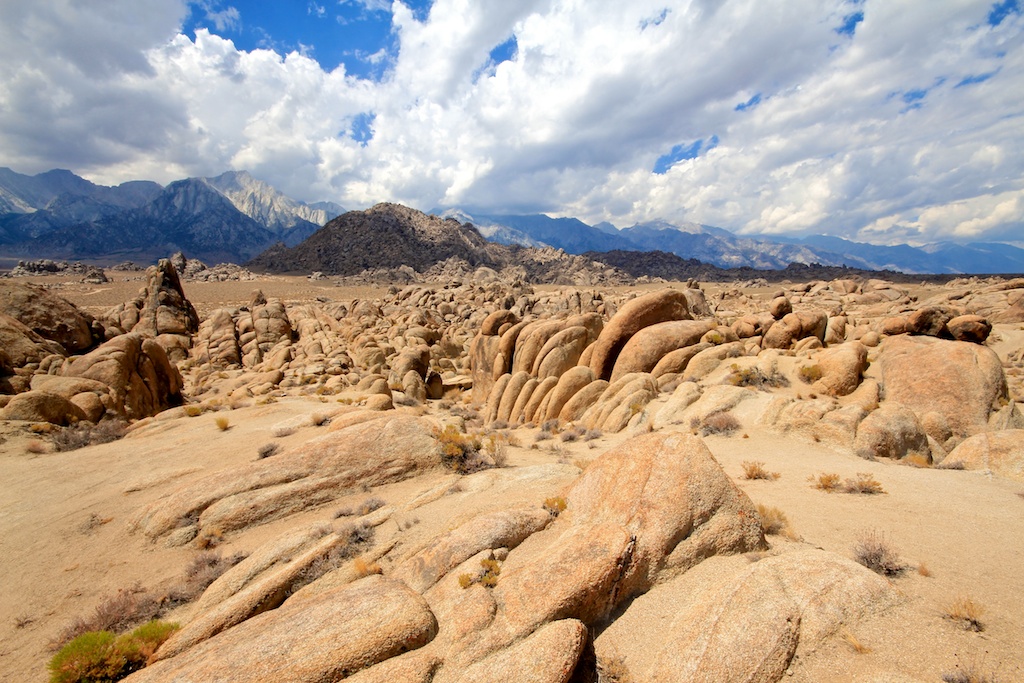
x,y
873,120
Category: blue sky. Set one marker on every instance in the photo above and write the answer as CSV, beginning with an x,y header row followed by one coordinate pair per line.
x,y
867,119
353,33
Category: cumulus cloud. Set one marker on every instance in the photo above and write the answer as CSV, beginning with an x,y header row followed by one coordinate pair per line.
x,y
862,119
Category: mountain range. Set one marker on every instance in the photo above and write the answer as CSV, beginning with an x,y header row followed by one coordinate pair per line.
x,y
724,249
231,217
235,217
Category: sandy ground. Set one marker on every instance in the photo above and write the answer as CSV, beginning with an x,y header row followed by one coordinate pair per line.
x,y
66,538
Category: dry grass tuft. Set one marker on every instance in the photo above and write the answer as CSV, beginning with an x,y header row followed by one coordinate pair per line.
x,y
923,569
117,613
267,450
826,481
852,640
863,483
22,620
754,469
319,419
555,506
965,613
281,432
223,424
951,465
916,460
773,521
809,374
874,552
719,422
192,410
87,434
971,672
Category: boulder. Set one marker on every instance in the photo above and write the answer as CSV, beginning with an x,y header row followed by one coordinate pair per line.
x,y
646,310
160,309
930,321
969,328
346,630
647,510
892,431
548,655
379,451
505,529
1001,453
22,346
42,406
48,315
780,307
568,386
841,368
959,380
729,620
795,326
648,346
142,380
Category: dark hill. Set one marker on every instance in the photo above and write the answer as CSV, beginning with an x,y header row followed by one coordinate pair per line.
x,y
384,236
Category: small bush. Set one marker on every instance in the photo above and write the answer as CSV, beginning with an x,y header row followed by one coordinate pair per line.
x,y
863,483
497,447
100,656
592,434
809,374
465,580
319,419
826,481
555,506
460,452
719,422
542,436
281,432
116,613
223,424
951,465
193,410
923,569
754,469
773,520
874,552
267,450
971,672
965,613
87,434
754,377
205,567
208,538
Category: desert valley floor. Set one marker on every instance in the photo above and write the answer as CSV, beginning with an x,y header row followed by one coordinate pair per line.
x,y
620,550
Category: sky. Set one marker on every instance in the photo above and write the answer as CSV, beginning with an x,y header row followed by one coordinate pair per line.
x,y
883,121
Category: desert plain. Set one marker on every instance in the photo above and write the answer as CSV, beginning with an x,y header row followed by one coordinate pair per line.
x,y
412,502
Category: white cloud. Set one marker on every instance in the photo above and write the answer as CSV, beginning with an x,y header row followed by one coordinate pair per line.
x,y
909,129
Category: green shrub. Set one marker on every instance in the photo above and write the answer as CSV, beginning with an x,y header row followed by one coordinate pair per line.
x,y
102,657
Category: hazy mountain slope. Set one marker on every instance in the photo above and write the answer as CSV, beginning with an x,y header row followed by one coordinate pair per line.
x,y
188,215
569,234
292,221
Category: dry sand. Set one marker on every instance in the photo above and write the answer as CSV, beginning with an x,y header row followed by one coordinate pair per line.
x,y
66,518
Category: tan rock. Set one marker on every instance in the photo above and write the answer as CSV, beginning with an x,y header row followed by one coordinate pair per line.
x,y
348,629
959,380
141,379
510,395
892,431
841,368
675,362
505,529
22,346
648,346
646,310
969,328
582,400
568,385
999,452
548,655
47,314
42,406
370,453
561,352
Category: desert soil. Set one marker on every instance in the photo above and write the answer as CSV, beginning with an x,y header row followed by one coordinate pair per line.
x,y
66,539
